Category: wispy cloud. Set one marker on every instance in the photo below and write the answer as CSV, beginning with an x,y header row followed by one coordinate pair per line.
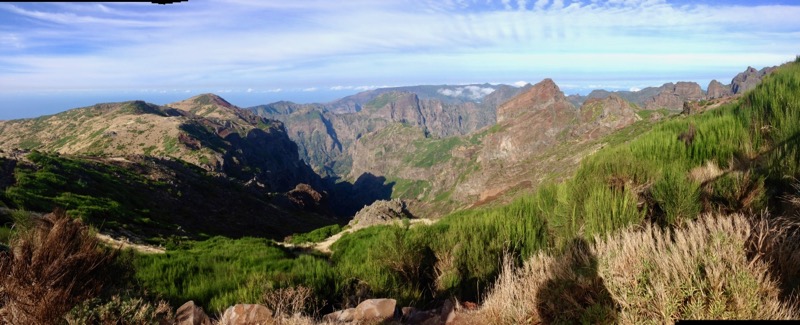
x,y
236,44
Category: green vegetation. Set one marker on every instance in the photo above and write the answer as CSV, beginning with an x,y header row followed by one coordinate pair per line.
x,y
316,235
220,272
99,194
430,152
409,189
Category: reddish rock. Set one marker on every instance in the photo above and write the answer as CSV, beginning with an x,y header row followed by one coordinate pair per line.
x,y
191,314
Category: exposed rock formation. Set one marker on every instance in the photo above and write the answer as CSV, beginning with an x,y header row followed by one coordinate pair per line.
x,y
749,79
532,120
672,96
717,90
602,116
380,212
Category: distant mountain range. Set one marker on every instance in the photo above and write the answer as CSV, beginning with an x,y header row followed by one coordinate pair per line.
x,y
441,147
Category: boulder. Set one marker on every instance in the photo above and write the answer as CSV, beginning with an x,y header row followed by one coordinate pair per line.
x,y
247,314
448,312
375,310
346,315
191,314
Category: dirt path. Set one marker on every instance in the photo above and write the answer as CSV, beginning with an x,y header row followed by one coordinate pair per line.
x,y
325,245
125,244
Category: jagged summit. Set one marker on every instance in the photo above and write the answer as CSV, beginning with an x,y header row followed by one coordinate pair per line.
x,y
539,96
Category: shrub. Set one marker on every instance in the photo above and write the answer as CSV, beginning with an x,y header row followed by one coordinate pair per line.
x,y
677,196
120,310
51,267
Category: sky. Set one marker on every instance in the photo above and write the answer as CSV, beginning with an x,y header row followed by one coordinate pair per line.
x,y
56,56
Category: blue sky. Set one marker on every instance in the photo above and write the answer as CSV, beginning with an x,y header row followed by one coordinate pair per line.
x,y
258,51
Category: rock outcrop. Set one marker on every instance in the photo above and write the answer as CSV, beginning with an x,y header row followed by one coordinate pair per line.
x,y
672,96
749,79
602,116
717,90
380,212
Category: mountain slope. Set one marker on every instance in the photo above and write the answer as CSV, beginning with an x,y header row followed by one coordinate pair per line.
x,y
204,130
149,198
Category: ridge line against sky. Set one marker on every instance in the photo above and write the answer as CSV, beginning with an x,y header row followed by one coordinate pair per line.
x,y
302,49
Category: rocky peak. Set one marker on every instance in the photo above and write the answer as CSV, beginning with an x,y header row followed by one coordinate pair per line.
x,y
208,105
600,115
672,95
717,90
748,79
541,95
211,99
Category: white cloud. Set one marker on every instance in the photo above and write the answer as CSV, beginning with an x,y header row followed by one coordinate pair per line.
x,y
471,92
249,90
519,84
634,89
310,89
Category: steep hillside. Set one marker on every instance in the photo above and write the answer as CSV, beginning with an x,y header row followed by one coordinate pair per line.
x,y
154,199
204,130
539,136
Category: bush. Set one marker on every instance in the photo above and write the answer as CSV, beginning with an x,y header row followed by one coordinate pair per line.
x,y
677,196
51,267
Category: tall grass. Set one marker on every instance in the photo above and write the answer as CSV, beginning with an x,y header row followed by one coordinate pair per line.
x,y
647,276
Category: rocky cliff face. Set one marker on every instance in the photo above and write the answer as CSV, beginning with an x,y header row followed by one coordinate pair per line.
x,y
602,116
530,126
531,120
326,133
672,96
717,90
748,79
